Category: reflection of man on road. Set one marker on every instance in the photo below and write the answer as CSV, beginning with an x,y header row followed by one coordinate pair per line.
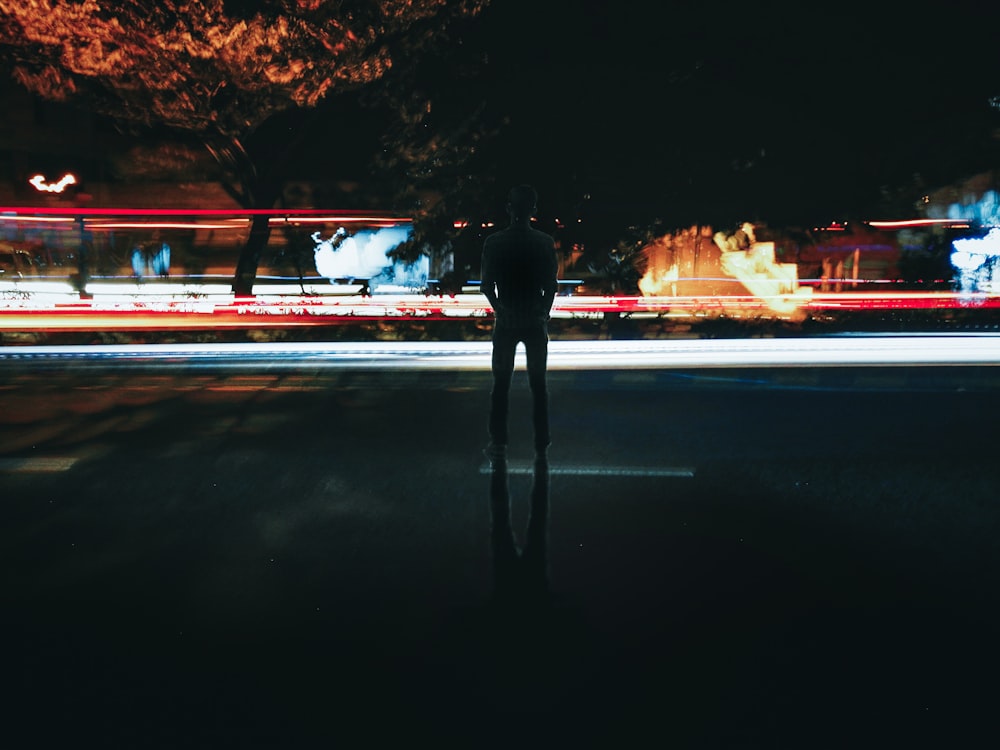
x,y
520,576
519,279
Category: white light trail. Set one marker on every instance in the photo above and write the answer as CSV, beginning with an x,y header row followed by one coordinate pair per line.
x,y
827,351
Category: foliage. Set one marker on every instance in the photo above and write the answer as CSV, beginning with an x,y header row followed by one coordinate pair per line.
x,y
162,160
626,262
220,70
205,65
425,164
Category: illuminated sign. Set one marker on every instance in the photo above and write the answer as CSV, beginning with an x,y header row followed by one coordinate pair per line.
x,y
39,183
975,260
365,254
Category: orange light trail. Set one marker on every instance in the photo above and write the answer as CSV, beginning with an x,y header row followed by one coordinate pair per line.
x,y
104,226
106,219
37,219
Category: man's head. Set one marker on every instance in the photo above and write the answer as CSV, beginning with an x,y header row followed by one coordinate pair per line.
x,y
522,200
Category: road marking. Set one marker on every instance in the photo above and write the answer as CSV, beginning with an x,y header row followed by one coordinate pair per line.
x,y
525,467
37,465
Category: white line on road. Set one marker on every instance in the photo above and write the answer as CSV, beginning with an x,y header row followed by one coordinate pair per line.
x,y
35,465
518,467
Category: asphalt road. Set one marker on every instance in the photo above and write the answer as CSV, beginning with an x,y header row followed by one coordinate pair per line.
x,y
305,557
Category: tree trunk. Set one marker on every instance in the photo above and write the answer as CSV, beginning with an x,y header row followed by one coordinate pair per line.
x,y
246,266
252,191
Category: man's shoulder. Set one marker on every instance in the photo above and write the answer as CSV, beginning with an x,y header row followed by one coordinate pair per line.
x,y
514,236
542,237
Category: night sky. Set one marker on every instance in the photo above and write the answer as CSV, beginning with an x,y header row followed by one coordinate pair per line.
x,y
720,112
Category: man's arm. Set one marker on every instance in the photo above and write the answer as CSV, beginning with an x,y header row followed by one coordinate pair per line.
x,y
551,278
487,277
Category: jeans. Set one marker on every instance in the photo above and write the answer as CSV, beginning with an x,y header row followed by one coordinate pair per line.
x,y
536,346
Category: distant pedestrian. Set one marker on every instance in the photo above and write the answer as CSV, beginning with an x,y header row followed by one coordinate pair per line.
x,y
138,261
160,260
519,278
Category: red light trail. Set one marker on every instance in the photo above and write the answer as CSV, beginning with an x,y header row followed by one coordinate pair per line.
x,y
223,311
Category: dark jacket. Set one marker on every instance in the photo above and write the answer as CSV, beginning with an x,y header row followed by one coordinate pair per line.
x,y
518,277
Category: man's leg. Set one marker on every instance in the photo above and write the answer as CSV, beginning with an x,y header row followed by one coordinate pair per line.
x,y
504,346
536,346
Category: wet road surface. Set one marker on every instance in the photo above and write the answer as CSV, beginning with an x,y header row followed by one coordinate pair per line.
x,y
306,558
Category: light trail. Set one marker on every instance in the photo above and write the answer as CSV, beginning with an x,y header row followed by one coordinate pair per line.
x,y
523,467
821,351
30,213
33,305
36,465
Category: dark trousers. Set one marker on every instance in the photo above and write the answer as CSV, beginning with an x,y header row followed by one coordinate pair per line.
x,y
536,347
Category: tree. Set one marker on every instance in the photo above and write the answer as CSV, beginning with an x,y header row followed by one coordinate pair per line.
x,y
620,272
429,159
221,71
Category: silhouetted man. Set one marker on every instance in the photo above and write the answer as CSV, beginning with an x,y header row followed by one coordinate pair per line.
x,y
519,279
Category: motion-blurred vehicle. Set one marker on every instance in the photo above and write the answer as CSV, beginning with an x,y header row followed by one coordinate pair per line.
x,y
14,263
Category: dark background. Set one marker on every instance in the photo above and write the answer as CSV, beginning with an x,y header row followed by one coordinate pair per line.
x,y
631,114
787,113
